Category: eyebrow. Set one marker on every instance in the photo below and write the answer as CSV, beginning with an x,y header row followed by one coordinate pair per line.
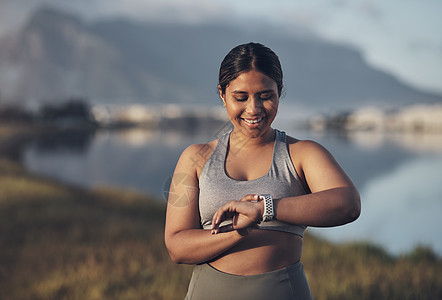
x,y
260,92
239,92
266,92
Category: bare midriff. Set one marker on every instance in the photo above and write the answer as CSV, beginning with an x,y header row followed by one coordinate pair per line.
x,y
261,251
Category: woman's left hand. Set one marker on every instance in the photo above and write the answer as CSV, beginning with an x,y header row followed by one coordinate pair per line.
x,y
245,213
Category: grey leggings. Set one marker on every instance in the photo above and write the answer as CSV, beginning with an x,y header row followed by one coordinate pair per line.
x,y
287,283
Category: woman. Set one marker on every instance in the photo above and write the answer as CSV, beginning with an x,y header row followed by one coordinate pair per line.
x,y
239,205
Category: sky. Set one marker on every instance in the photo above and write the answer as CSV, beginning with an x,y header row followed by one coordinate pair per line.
x,y
401,37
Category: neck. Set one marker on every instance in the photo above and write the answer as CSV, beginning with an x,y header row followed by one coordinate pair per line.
x,y
239,140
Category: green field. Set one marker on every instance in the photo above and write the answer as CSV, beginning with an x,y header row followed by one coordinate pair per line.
x,y
63,242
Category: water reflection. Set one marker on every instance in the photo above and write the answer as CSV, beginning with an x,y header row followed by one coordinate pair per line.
x,y
401,208
75,141
413,142
137,159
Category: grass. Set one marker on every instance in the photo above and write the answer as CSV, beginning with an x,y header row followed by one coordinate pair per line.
x,y
365,271
62,242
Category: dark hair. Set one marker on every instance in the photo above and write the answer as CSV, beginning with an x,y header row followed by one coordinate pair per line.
x,y
247,57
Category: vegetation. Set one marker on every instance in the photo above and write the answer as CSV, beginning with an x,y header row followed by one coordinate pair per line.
x,y
365,271
63,242
72,113
59,242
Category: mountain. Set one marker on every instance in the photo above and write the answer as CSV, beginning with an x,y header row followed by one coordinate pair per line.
x,y
56,55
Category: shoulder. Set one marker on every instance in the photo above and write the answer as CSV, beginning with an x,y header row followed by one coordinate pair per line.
x,y
303,145
304,150
199,149
194,157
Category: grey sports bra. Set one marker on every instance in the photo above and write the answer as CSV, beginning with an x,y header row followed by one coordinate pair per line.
x,y
217,188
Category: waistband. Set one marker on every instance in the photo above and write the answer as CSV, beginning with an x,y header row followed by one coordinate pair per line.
x,y
287,283
297,266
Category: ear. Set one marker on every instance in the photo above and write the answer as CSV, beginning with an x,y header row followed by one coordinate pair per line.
x,y
221,95
280,92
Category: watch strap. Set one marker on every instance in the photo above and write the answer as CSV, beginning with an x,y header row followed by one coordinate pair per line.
x,y
269,212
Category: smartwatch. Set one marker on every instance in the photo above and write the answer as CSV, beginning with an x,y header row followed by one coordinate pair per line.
x,y
269,212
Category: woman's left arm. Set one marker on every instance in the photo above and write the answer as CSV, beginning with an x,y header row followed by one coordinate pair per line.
x,y
334,199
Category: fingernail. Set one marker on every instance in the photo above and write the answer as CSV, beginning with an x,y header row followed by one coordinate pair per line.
x,y
213,231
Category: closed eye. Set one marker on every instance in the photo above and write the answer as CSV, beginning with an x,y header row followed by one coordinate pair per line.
x,y
266,96
240,96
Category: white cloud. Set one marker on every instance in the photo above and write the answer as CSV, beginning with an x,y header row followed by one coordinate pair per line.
x,y
399,36
194,11
14,12
384,31
371,10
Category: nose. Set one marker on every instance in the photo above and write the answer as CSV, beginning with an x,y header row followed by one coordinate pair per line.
x,y
253,106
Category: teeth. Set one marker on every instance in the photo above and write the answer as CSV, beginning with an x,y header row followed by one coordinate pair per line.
x,y
253,121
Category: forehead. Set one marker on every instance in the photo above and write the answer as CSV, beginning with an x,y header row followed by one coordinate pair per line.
x,y
252,82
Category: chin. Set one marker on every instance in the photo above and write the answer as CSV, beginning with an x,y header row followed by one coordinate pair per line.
x,y
253,132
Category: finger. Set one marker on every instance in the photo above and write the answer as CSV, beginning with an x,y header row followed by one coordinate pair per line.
x,y
215,222
214,227
220,215
250,198
225,228
225,211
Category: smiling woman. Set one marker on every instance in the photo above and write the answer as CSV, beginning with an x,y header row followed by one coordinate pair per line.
x,y
250,84
252,102
250,194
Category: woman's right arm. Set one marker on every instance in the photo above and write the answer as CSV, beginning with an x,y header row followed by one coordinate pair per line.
x,y
185,240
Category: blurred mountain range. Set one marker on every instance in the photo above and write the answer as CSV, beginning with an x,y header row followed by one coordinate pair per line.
x,y
56,55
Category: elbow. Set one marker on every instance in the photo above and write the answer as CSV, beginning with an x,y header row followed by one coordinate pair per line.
x,y
348,207
181,256
176,253
176,258
354,214
181,259
353,210
173,254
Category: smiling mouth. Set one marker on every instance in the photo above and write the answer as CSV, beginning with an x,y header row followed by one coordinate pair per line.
x,y
253,121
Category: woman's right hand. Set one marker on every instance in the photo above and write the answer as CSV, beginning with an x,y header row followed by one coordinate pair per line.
x,y
245,213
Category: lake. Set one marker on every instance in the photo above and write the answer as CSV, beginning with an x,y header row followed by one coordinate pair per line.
x,y
399,176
